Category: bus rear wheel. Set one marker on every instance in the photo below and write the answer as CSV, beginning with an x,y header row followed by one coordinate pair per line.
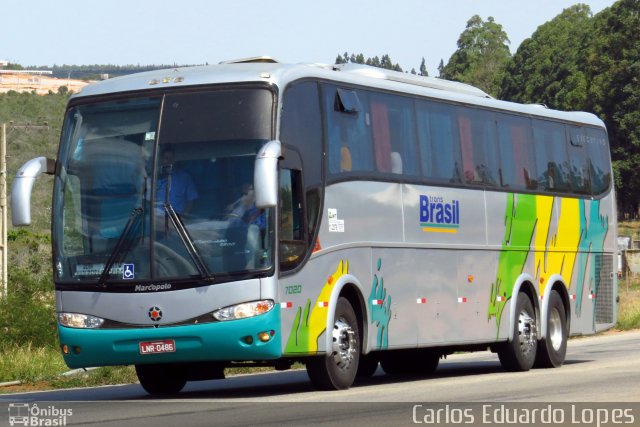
x,y
552,348
161,379
519,353
337,370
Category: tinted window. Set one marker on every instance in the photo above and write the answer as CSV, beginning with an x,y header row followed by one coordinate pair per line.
x,y
598,151
438,142
348,132
578,161
394,136
477,140
517,168
435,142
552,162
301,127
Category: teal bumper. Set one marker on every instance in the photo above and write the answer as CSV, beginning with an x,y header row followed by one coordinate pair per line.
x,y
220,341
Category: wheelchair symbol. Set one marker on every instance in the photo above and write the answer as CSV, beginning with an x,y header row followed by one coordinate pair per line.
x,y
128,271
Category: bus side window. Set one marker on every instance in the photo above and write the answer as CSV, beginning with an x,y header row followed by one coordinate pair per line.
x,y
394,134
552,162
348,130
381,136
439,142
477,139
580,176
516,157
599,172
464,127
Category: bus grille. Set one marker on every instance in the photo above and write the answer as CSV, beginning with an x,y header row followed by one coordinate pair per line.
x,y
604,288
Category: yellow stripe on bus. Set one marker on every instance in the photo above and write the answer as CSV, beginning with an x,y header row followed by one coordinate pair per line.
x,y
440,230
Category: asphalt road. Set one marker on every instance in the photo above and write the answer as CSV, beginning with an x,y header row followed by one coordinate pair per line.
x,y
597,370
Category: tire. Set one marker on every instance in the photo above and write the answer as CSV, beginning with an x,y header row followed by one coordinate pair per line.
x,y
519,354
161,379
367,365
552,348
337,369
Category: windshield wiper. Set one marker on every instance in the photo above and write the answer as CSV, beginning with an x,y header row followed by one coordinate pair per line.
x,y
187,241
124,243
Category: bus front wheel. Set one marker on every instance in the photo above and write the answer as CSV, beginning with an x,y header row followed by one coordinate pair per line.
x,y
337,370
519,353
161,379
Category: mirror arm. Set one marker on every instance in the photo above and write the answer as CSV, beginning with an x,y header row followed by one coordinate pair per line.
x,y
22,185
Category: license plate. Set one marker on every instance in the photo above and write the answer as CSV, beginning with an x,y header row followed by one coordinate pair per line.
x,y
155,347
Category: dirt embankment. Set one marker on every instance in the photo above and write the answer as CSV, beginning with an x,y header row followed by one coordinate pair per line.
x,y
38,83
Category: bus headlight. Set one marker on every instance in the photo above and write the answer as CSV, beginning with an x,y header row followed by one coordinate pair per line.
x,y
242,311
76,320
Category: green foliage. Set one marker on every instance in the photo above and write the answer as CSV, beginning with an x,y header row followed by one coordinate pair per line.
x,y
578,61
546,67
27,314
107,375
423,68
33,129
13,67
384,62
29,363
482,55
613,67
629,309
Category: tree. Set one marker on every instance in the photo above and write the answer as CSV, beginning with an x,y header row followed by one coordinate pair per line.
x,y
547,68
384,62
481,57
11,66
613,67
441,69
578,61
423,68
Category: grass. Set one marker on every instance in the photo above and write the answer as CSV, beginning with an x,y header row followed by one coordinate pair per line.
x,y
30,363
629,310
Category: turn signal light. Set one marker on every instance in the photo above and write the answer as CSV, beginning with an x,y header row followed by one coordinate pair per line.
x,y
266,336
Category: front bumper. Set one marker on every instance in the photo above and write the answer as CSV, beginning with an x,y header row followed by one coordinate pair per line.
x,y
218,341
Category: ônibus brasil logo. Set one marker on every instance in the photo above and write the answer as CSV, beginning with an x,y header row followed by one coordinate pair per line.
x,y
438,216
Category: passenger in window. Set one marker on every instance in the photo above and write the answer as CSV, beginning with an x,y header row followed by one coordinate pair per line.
x,y
174,186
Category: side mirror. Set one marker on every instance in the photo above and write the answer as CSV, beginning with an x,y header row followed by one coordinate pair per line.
x,y
22,185
265,174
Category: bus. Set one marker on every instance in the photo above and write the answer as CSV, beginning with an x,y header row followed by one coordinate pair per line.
x,y
346,217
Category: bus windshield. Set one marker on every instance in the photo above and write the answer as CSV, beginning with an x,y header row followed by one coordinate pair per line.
x,y
158,188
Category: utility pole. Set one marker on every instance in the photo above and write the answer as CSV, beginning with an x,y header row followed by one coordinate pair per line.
x,y
3,207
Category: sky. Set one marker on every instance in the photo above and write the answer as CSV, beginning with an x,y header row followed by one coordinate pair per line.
x,y
145,32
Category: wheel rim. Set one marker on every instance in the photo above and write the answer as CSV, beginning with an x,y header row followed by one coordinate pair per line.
x,y
555,329
527,333
344,344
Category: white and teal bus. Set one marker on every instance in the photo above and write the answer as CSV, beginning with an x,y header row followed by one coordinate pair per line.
x,y
343,216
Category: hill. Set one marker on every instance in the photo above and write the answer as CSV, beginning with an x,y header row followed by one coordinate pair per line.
x,y
39,84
